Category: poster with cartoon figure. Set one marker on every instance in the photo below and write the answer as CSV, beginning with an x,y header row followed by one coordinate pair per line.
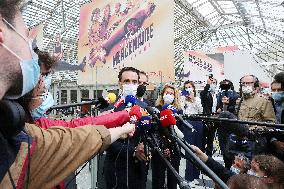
x,y
115,34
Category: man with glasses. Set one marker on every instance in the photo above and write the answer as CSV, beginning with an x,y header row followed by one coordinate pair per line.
x,y
251,107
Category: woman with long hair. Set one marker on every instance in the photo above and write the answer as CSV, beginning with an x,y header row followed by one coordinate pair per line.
x,y
168,96
191,104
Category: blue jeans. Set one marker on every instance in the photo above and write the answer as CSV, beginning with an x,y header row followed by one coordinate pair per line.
x,y
196,139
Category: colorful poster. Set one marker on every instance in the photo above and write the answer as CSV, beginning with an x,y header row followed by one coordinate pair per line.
x,y
115,34
199,65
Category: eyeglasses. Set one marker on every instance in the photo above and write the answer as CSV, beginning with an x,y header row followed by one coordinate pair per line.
x,y
247,83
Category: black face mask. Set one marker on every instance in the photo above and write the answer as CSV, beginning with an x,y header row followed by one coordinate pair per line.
x,y
141,89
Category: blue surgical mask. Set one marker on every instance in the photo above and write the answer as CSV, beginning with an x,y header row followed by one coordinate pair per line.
x,y
30,68
47,82
212,88
40,111
278,96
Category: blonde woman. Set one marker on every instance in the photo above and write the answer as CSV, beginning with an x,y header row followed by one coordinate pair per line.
x,y
169,95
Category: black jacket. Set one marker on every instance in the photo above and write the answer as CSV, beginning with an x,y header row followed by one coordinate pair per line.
x,y
206,100
223,173
116,166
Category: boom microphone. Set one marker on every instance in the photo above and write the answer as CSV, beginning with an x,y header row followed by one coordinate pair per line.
x,y
174,110
101,103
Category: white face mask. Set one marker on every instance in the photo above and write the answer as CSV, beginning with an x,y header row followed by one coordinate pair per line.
x,y
247,90
129,89
235,170
168,98
189,90
251,172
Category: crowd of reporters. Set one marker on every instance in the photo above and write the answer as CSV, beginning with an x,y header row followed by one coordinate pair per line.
x,y
40,152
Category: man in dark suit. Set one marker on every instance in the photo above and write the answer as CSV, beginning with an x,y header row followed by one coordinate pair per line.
x,y
125,163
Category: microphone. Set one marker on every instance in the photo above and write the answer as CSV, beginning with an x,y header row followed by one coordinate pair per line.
x,y
101,103
167,120
111,98
144,123
135,114
154,112
118,103
184,93
174,110
130,100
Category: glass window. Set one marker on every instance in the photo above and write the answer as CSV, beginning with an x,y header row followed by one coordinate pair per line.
x,y
73,96
63,96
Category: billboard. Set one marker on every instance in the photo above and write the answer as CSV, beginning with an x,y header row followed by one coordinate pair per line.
x,y
115,34
199,64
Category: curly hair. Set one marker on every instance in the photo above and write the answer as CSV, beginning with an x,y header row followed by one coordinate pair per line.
x,y
8,9
45,58
176,103
271,166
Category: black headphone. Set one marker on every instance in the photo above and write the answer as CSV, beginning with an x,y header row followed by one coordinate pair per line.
x,y
12,118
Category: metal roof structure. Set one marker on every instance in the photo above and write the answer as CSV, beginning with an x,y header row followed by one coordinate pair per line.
x,y
254,25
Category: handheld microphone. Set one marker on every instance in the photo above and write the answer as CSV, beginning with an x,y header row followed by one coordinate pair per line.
x,y
174,110
118,103
130,100
135,114
144,123
154,112
111,98
184,93
167,120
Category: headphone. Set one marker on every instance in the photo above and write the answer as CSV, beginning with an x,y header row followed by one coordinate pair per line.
x,y
12,118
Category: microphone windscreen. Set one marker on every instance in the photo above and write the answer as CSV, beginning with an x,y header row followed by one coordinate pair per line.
x,y
111,97
130,100
170,107
101,103
145,123
118,103
167,118
135,113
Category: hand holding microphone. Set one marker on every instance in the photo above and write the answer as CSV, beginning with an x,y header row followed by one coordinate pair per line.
x,y
134,115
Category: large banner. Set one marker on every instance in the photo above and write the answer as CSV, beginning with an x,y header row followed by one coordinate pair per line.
x,y
114,34
199,64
